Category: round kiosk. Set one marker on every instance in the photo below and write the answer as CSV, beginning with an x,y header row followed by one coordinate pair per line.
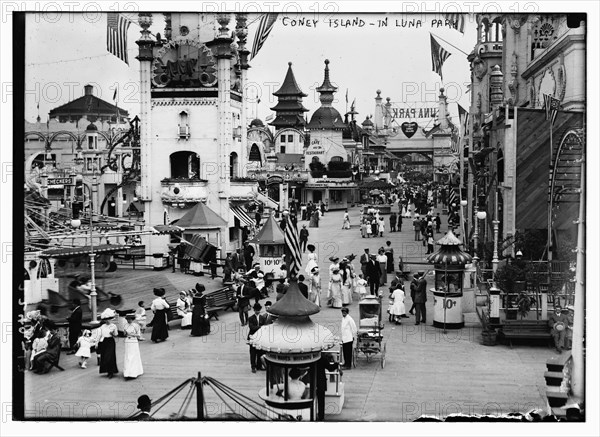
x,y
271,248
292,347
449,263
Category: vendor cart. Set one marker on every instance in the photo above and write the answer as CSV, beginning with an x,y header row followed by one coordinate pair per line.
x,y
369,339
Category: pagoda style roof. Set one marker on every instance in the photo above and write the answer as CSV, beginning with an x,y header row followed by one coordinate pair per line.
x,y
288,120
290,86
270,233
289,105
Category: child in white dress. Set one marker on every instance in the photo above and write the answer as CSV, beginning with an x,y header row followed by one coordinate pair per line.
x,y
361,286
84,344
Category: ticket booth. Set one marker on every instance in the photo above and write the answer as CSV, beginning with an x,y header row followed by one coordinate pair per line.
x,y
271,247
449,263
292,360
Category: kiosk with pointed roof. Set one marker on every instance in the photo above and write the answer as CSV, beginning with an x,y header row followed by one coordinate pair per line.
x,y
271,247
292,346
449,262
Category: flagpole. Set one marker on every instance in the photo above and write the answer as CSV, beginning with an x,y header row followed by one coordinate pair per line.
x,y
462,51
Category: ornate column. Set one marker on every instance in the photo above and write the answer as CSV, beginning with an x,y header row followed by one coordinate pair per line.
x,y
221,49
241,32
145,57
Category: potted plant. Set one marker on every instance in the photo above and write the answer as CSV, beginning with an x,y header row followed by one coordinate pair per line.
x,y
524,303
488,334
510,278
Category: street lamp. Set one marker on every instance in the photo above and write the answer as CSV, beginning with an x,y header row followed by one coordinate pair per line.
x,y
76,223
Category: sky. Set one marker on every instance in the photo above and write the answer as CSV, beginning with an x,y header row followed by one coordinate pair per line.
x,y
66,51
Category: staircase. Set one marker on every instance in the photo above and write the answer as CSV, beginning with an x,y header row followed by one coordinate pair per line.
x,y
558,383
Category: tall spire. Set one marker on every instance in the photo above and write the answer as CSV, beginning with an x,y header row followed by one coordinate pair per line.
x,y
326,90
326,117
289,107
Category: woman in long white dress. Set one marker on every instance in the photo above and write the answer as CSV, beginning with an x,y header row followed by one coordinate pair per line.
x,y
184,309
314,286
312,259
335,288
397,310
132,365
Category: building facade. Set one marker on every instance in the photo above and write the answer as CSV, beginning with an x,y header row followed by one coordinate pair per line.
x,y
519,59
194,128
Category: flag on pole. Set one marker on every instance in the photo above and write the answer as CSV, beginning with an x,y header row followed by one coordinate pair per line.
x,y
116,35
551,106
452,197
292,245
267,21
456,21
438,56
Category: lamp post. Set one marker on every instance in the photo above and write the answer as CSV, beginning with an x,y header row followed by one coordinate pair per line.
x,y
76,223
475,235
495,222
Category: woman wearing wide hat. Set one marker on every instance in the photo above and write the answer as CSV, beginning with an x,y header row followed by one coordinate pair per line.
x,y
159,322
106,347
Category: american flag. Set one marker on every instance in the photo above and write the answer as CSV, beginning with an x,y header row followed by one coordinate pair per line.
x,y
292,246
116,35
438,56
267,21
457,21
452,197
551,106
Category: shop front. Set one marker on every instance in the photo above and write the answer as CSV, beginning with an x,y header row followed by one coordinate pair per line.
x,y
337,195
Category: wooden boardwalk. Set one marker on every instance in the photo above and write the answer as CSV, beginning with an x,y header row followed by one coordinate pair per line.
x,y
427,372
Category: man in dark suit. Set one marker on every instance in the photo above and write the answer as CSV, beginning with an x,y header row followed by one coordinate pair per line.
x,y
325,363
373,274
74,325
303,238
248,255
420,299
302,286
144,404
255,321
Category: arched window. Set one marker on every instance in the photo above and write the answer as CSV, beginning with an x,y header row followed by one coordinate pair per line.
x,y
185,165
337,159
233,165
184,125
315,159
496,30
254,153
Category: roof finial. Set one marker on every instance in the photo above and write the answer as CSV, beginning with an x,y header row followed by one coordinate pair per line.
x,y
290,63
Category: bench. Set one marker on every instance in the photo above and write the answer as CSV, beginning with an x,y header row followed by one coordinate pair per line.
x,y
218,300
526,330
172,312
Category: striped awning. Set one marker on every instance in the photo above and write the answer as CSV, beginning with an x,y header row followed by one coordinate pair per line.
x,y
242,215
65,252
